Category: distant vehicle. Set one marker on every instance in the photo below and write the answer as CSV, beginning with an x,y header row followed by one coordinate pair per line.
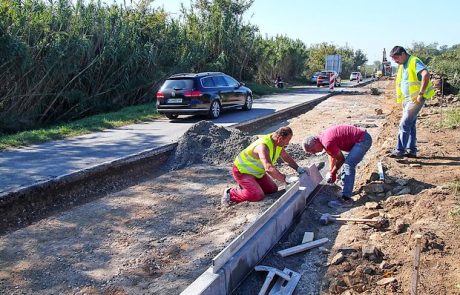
x,y
324,76
202,93
314,77
356,76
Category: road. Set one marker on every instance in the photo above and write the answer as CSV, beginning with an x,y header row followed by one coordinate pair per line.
x,y
26,166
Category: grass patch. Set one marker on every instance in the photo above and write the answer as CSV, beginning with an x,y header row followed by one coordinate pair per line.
x,y
452,119
454,213
125,116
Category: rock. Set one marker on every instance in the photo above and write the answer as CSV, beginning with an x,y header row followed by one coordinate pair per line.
x,y
389,180
404,191
402,182
372,205
346,267
374,177
384,265
338,258
386,281
372,215
400,226
374,188
378,111
369,270
370,252
324,250
397,189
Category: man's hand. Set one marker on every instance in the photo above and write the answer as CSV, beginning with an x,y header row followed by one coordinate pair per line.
x,y
300,170
291,179
331,177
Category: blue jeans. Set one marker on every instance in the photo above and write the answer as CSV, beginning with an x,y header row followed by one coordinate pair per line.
x,y
355,156
407,135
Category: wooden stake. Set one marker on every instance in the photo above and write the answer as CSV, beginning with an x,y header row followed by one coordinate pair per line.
x,y
416,266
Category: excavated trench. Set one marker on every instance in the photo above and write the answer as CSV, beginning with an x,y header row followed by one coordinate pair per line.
x,y
147,229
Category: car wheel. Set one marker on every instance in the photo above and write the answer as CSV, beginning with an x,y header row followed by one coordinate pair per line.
x,y
172,116
214,109
248,103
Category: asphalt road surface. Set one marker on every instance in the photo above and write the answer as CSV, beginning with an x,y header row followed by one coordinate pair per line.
x,y
29,165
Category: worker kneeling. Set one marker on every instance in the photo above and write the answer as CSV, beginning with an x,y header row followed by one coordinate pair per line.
x,y
334,140
255,165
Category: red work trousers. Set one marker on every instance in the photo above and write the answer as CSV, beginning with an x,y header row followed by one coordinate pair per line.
x,y
252,189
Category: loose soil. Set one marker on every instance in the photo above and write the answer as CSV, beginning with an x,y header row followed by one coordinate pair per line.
x,y
157,236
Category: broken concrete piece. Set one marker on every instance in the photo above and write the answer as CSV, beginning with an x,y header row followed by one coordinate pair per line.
x,y
386,281
308,237
338,258
302,247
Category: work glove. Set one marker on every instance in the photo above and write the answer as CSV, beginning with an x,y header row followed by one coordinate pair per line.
x,y
331,177
300,170
291,179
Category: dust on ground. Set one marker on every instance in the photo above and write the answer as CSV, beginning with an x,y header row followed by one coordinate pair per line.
x,y
161,234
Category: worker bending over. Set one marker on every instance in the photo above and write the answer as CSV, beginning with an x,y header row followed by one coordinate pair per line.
x,y
334,140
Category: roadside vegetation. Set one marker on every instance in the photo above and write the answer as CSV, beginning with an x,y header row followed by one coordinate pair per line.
x,y
454,213
453,118
64,60
128,115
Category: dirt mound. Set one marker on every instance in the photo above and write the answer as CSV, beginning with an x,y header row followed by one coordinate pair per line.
x,y
208,143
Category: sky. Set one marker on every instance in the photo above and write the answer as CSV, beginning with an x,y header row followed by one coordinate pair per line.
x,y
360,24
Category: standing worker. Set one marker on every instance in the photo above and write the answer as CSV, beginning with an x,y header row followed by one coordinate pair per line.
x,y
413,87
255,165
334,140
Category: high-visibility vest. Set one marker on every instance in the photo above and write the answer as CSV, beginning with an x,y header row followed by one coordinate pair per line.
x,y
247,164
414,83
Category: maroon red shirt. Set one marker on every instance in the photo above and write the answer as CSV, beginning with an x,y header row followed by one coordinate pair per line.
x,y
340,138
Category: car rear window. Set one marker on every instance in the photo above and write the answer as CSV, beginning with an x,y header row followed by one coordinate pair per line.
x,y
178,84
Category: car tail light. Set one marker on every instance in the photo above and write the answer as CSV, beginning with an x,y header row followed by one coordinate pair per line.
x,y
192,93
160,95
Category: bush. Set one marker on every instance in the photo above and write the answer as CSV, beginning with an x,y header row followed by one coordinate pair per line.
x,y
375,91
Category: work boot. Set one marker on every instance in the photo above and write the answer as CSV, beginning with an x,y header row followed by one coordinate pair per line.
x,y
410,155
396,155
225,200
346,200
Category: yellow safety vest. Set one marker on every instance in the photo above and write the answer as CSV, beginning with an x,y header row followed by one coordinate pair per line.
x,y
414,83
247,164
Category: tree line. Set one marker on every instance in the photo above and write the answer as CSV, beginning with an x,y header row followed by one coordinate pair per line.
x,y
62,60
